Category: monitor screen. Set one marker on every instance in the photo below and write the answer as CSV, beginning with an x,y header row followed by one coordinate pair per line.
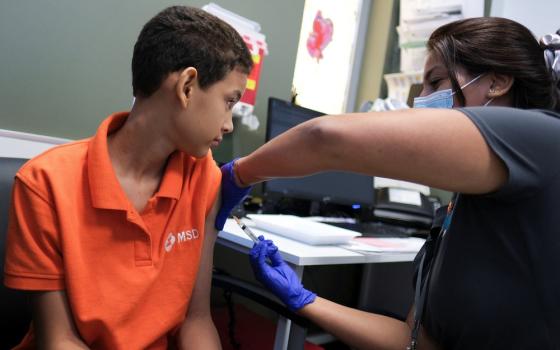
x,y
333,187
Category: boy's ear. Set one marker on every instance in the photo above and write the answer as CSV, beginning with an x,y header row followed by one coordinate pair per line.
x,y
185,83
501,85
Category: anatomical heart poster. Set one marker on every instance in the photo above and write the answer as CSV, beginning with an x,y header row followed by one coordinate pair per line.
x,y
328,54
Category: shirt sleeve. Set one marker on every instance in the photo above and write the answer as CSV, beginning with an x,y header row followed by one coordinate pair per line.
x,y
33,256
526,141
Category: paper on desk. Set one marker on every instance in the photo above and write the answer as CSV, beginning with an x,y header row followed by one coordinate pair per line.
x,y
379,245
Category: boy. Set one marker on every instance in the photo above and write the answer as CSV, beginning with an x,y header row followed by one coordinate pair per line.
x,y
115,233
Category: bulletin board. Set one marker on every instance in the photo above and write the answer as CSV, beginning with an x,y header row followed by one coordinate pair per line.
x,y
329,54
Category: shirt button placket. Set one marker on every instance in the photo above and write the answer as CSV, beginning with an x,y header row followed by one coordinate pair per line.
x,y
142,244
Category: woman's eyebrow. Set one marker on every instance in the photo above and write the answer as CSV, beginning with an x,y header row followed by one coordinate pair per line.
x,y
431,71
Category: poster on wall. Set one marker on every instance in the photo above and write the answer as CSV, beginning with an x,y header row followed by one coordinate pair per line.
x,y
329,54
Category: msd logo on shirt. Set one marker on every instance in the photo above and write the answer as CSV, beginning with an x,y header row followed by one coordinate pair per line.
x,y
180,237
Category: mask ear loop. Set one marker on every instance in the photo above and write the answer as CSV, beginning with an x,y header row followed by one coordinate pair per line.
x,y
491,90
472,81
469,83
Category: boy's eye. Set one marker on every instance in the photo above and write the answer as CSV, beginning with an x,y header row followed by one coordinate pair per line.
x,y
231,103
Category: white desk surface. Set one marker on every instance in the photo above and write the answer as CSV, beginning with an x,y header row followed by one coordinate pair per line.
x,y
302,254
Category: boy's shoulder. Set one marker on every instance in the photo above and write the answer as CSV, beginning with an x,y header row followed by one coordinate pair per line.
x,y
205,164
65,160
202,173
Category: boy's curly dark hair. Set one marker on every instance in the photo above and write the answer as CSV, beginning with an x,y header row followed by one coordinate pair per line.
x,y
180,37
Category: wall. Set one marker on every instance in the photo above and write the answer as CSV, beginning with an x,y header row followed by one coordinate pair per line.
x,y
66,63
380,31
540,16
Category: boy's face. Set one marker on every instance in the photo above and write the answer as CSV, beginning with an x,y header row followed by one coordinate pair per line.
x,y
208,115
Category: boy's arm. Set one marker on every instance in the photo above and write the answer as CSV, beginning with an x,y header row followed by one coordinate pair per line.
x,y
34,263
52,321
198,330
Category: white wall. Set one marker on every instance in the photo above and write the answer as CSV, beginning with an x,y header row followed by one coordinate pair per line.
x,y
540,16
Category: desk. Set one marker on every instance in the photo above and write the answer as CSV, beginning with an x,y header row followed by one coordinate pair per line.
x,y
299,255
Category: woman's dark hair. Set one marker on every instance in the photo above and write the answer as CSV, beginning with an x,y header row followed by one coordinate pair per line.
x,y
502,46
180,37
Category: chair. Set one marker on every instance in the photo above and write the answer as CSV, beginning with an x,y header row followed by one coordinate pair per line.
x,y
222,280
14,310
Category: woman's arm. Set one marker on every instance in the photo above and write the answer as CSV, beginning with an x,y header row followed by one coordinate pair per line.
x,y
440,148
359,329
53,323
364,330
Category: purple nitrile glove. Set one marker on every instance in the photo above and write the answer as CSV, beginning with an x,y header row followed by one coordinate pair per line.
x,y
231,194
277,276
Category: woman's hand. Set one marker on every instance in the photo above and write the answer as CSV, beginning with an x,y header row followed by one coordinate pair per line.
x,y
277,276
232,194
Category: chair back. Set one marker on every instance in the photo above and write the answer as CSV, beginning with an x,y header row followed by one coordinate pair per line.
x,y
15,315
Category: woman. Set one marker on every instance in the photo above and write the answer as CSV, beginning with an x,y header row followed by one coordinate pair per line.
x,y
488,280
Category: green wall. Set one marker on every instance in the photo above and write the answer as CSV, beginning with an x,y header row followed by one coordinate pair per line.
x,y
66,64
380,30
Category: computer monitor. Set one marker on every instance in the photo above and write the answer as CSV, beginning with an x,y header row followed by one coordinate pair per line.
x,y
330,187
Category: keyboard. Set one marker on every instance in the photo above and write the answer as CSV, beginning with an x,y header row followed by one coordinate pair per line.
x,y
375,229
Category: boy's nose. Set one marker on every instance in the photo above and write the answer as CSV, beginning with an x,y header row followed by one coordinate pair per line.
x,y
228,126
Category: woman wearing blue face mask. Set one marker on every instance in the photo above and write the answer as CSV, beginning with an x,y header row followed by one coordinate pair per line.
x,y
442,98
487,279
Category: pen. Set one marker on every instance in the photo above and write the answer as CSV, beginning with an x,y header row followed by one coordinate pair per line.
x,y
246,229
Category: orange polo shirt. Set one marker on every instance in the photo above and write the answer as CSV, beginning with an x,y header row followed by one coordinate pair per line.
x,y
128,276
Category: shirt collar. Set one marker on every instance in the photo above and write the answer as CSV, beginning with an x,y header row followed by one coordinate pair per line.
x,y
172,182
106,191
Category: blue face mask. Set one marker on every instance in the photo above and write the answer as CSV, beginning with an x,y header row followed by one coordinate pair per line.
x,y
439,99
